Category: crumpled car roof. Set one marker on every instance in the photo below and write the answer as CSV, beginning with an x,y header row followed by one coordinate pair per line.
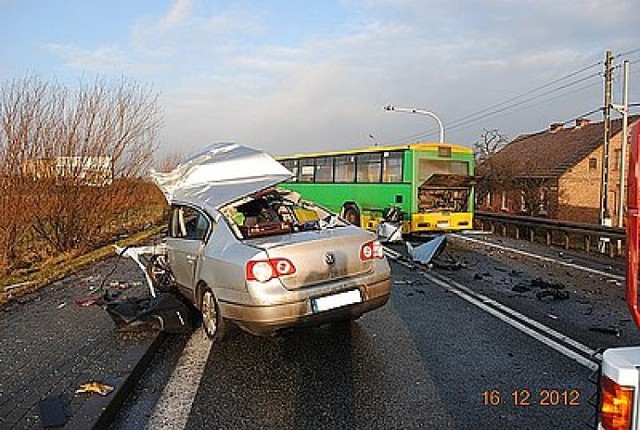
x,y
220,174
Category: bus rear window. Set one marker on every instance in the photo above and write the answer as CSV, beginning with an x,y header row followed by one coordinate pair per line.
x,y
427,167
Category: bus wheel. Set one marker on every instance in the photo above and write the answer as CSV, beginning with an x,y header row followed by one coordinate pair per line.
x,y
352,214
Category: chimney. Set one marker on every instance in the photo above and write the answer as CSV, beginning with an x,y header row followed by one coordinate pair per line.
x,y
580,122
555,127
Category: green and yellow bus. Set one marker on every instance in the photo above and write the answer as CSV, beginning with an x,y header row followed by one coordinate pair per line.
x,y
430,183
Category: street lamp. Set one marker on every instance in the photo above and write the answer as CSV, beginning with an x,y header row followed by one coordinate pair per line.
x,y
391,108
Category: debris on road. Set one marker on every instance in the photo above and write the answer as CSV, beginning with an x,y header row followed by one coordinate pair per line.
x,y
607,330
428,250
521,288
166,312
96,300
61,305
53,411
95,387
541,283
550,294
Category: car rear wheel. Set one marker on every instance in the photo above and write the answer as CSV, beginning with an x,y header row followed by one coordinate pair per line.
x,y
212,320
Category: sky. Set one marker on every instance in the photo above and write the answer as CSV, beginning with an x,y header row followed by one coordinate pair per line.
x,y
307,76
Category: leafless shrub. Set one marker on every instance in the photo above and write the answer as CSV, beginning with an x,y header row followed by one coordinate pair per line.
x,y
72,161
169,162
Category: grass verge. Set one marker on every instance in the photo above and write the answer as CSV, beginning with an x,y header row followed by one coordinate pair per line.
x,y
33,281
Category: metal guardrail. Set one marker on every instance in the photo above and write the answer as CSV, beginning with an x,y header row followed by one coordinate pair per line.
x,y
611,240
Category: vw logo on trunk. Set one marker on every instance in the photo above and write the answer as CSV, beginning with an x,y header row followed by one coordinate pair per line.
x,y
329,258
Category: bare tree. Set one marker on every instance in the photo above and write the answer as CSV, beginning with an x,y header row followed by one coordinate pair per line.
x,y
169,162
72,159
493,175
490,142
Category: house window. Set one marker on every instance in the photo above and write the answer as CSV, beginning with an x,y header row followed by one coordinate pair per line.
x,y
593,163
503,203
523,202
543,209
488,201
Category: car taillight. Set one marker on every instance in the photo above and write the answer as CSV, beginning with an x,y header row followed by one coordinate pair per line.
x,y
616,405
264,270
371,250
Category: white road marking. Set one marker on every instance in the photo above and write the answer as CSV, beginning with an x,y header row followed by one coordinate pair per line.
x,y
173,407
542,333
541,257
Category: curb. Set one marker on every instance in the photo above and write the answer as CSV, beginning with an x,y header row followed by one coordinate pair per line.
x,y
100,412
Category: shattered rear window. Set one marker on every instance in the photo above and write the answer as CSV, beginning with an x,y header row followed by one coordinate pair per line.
x,y
270,214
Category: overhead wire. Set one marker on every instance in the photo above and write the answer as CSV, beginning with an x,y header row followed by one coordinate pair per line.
x,y
491,110
631,51
456,125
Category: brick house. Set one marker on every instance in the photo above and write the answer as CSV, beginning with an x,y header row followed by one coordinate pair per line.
x,y
554,173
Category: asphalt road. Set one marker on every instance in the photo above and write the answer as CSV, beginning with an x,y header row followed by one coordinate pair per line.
x,y
428,359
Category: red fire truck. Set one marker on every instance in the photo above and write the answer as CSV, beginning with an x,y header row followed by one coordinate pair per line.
x,y
619,404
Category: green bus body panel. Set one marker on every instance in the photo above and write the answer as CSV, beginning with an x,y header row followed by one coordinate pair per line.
x,y
367,196
375,197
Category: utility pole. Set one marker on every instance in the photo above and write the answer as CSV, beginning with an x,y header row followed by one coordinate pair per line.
x,y
624,110
605,218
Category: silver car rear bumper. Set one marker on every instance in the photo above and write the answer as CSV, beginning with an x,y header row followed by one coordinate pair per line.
x,y
264,320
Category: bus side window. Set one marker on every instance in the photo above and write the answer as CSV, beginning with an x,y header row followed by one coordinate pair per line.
x,y
392,166
307,170
369,167
292,165
324,169
345,168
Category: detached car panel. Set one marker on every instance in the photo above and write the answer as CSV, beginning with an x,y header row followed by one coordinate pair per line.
x,y
243,251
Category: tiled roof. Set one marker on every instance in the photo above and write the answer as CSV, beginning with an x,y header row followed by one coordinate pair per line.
x,y
551,153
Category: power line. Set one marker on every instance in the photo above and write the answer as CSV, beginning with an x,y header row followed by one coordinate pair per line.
x,y
463,124
538,88
474,116
631,51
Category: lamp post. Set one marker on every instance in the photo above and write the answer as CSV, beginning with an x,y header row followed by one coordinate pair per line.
x,y
390,108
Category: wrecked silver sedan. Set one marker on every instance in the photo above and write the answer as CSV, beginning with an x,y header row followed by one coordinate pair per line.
x,y
243,251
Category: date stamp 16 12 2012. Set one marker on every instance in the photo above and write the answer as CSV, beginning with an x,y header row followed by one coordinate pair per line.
x,y
528,397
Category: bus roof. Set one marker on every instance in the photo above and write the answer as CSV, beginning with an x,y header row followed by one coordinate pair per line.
x,y
421,146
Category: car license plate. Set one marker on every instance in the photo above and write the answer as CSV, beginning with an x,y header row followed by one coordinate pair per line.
x,y
442,224
334,301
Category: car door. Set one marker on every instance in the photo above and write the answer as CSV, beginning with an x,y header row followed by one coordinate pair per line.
x,y
188,229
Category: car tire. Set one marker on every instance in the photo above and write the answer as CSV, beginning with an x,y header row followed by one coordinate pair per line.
x,y
352,214
212,320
